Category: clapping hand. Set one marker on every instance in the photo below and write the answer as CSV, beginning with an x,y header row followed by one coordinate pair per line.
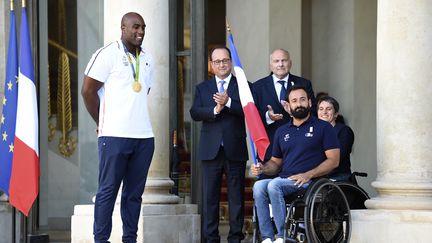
x,y
221,99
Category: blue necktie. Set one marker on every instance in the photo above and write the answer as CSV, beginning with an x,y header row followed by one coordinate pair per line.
x,y
221,90
283,92
221,86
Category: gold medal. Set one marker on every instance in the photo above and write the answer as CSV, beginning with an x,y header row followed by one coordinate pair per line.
x,y
136,86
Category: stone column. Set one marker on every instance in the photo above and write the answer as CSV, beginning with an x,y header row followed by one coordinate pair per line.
x,y
155,14
404,181
404,116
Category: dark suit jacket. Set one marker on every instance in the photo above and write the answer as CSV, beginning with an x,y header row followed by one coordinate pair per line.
x,y
264,94
228,125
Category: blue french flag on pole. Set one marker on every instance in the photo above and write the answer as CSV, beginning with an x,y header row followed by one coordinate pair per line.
x,y
253,119
24,183
9,103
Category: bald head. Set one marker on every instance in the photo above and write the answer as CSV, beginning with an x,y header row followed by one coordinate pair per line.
x,y
279,51
130,16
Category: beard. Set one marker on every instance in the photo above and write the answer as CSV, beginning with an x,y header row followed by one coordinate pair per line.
x,y
300,112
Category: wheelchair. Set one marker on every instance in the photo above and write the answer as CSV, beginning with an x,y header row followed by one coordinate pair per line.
x,y
321,212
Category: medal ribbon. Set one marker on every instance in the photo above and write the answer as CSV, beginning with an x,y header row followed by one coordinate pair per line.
x,y
135,73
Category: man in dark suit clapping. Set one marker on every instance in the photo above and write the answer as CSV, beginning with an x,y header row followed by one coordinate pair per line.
x,y
222,146
269,91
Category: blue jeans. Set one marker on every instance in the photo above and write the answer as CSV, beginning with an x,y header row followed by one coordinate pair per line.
x,y
272,191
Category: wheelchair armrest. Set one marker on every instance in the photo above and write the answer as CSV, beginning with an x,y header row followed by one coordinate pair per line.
x,y
354,174
361,174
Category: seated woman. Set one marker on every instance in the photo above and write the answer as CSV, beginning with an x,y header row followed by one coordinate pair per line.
x,y
328,110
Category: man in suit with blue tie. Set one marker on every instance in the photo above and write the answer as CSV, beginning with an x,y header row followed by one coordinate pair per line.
x,y
222,146
269,91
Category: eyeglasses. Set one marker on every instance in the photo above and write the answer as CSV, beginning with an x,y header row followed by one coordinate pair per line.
x,y
219,62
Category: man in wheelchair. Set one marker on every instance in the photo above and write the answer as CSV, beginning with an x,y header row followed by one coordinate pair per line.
x,y
305,148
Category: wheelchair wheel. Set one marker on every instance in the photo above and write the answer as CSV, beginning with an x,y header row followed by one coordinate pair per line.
x,y
355,195
327,215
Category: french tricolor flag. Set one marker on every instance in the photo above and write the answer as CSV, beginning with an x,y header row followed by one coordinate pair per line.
x,y
253,119
24,182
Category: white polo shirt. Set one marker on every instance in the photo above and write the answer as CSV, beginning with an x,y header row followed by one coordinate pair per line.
x,y
122,112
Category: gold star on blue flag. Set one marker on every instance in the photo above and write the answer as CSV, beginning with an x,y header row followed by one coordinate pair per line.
x,y
10,85
11,147
8,117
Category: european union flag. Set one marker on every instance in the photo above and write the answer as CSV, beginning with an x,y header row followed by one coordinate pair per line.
x,y
9,103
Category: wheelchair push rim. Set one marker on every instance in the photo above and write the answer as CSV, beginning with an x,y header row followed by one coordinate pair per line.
x,y
327,214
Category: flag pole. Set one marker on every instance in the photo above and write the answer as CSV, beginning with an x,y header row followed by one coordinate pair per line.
x,y
227,26
13,223
13,213
13,208
175,160
23,217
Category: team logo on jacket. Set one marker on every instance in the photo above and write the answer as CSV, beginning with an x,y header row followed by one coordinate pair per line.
x,y
310,133
286,137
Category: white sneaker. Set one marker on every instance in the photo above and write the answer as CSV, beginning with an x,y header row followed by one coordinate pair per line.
x,y
268,240
279,240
